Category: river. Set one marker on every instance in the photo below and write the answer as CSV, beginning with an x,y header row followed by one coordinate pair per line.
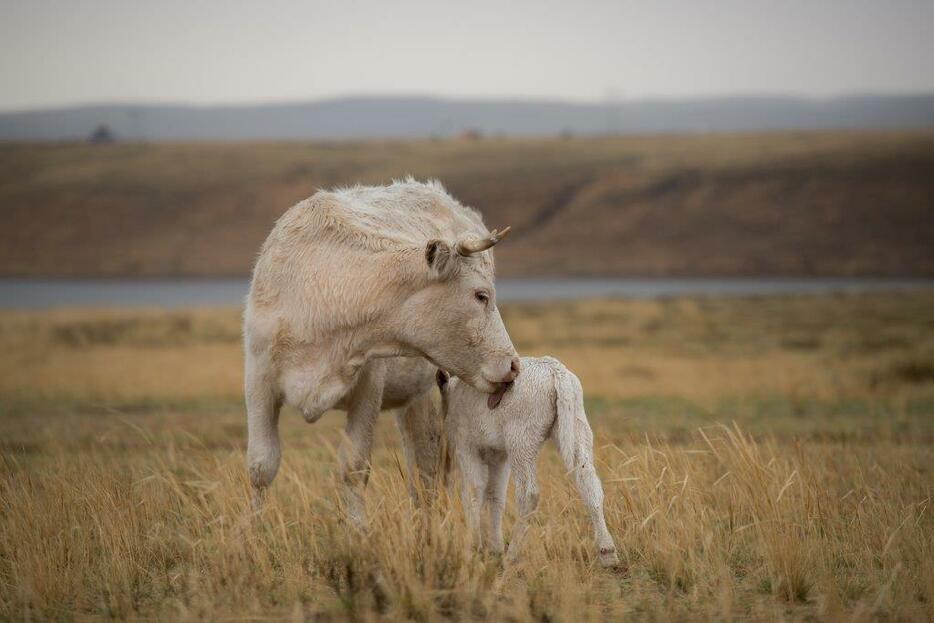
x,y
174,293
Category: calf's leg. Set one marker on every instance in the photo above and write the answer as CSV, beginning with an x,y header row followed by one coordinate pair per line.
x,y
523,467
591,491
473,483
497,480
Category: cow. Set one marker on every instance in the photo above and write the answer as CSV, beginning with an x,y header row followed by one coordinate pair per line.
x,y
347,278
546,401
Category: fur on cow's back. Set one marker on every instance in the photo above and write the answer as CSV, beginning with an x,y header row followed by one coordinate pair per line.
x,y
343,247
404,214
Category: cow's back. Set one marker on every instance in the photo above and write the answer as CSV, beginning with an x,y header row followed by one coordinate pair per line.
x,y
332,261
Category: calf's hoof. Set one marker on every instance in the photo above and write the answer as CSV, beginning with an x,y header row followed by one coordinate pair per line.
x,y
608,558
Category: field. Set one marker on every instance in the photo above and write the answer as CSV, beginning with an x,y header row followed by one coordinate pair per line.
x,y
763,458
845,203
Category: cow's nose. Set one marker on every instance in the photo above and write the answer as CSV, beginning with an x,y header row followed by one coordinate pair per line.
x,y
514,367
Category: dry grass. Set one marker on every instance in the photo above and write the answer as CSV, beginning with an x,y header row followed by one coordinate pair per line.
x,y
122,491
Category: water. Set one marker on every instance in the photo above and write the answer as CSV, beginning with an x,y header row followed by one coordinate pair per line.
x,y
168,293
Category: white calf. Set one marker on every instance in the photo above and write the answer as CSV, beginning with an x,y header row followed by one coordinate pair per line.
x,y
545,400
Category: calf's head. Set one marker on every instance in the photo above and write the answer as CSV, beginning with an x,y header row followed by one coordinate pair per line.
x,y
453,320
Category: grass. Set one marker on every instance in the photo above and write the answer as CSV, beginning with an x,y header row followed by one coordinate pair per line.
x,y
763,458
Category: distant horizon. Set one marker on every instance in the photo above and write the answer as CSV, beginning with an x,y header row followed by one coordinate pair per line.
x,y
425,96
422,116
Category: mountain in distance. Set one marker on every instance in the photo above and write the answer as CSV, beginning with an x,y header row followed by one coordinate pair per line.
x,y
422,117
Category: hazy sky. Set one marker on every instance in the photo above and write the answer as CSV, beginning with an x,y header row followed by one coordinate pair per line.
x,y
64,52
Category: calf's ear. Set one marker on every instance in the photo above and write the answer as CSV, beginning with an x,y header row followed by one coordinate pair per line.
x,y
441,258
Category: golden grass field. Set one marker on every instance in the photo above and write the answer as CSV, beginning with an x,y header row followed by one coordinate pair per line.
x,y
763,458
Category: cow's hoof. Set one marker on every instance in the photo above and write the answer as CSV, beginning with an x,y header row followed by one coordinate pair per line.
x,y
258,500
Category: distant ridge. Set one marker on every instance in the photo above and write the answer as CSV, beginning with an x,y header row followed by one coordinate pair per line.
x,y
419,117
779,204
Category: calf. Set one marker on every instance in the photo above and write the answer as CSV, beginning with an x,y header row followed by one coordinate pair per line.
x,y
546,400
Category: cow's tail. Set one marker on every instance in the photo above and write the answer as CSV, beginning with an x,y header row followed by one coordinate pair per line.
x,y
572,433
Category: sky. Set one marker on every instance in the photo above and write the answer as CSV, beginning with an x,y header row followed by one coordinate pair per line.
x,y
66,52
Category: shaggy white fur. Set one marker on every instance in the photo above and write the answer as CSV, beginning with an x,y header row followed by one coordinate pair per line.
x,y
546,400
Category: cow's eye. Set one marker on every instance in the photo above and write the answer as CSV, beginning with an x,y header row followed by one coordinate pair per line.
x,y
482,296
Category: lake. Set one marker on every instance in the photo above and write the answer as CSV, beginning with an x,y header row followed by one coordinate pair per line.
x,y
50,293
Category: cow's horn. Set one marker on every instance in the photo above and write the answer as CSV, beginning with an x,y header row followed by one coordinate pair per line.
x,y
476,245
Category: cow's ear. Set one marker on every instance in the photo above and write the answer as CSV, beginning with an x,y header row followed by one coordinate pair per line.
x,y
441,258
442,377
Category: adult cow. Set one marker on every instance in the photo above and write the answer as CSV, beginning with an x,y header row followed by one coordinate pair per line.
x,y
352,276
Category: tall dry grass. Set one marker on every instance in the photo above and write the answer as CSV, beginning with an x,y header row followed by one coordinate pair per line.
x,y
791,498
722,526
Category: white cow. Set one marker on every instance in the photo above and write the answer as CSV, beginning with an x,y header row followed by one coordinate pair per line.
x,y
348,277
546,401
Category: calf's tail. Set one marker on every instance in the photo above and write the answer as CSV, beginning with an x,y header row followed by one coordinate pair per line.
x,y
575,443
572,433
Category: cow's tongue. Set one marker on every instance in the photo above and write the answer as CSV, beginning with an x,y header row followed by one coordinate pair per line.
x,y
492,401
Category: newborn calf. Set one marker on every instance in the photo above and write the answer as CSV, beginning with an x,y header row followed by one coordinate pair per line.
x,y
545,400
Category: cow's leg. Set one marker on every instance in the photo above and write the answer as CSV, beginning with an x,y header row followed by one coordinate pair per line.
x,y
362,410
262,408
420,429
473,484
496,500
523,467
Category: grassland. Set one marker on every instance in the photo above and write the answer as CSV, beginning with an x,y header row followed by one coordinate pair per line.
x,y
845,203
763,458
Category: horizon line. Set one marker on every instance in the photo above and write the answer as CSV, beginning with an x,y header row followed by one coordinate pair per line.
x,y
616,100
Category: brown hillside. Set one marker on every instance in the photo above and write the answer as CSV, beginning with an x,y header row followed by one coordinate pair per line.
x,y
771,204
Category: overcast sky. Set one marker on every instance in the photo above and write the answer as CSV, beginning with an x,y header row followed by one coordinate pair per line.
x,y
65,52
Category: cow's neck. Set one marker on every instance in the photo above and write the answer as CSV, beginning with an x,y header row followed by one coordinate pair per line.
x,y
382,336
383,330
362,352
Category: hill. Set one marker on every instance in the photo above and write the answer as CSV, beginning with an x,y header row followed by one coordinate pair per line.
x,y
719,204
423,117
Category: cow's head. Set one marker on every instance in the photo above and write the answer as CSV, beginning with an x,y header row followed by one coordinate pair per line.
x,y
454,320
